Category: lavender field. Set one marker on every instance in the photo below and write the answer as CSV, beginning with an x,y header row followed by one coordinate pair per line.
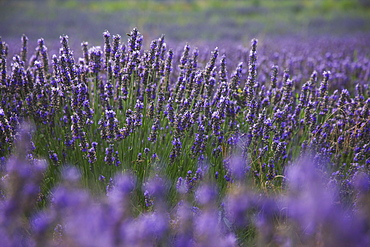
x,y
136,142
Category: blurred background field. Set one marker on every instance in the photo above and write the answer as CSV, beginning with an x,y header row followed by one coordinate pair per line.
x,y
182,21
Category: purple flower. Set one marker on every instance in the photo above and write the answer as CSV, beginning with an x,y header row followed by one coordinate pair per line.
x,y
95,59
91,153
53,156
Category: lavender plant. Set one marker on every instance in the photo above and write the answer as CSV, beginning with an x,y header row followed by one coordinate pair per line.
x,y
185,122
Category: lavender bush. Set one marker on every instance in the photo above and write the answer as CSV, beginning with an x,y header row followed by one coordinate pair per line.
x,y
173,146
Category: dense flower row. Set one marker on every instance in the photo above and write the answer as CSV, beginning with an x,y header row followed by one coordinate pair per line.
x,y
117,101
184,120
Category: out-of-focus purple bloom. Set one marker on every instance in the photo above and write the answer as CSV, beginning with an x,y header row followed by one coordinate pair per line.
x,y
21,187
206,194
311,203
147,230
237,167
212,236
